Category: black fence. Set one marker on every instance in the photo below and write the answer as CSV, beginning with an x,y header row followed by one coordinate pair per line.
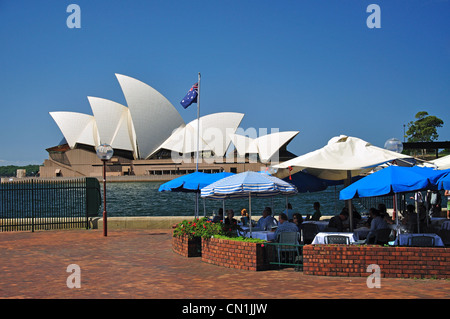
x,y
34,204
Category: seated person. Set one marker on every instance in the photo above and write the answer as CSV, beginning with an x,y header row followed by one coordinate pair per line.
x,y
285,225
377,223
410,220
266,221
337,221
298,220
384,214
289,212
244,218
230,218
317,214
218,217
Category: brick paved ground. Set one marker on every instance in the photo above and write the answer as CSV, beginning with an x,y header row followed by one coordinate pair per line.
x,y
140,264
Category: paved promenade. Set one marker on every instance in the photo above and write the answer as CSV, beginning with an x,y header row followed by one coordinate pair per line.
x,y
140,264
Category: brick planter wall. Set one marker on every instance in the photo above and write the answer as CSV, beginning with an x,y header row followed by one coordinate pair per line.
x,y
394,262
187,247
234,254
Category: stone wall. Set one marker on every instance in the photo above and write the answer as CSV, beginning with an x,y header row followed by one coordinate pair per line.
x,y
394,262
187,247
234,254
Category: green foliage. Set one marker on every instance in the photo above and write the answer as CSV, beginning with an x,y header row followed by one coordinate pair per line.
x,y
11,170
204,228
424,129
244,239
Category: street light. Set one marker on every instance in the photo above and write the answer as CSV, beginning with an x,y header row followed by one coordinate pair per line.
x,y
394,144
104,152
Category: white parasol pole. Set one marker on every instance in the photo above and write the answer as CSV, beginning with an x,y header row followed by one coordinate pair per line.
x,y
350,210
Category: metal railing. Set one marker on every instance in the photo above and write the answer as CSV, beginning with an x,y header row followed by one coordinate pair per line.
x,y
285,255
34,204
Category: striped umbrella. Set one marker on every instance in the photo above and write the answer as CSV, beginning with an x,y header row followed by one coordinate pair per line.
x,y
248,184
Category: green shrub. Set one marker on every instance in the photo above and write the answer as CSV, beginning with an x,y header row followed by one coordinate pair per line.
x,y
204,228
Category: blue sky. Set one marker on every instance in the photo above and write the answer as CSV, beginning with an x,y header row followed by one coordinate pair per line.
x,y
311,66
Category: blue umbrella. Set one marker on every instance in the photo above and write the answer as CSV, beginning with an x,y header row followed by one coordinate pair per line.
x,y
248,184
192,183
444,181
392,180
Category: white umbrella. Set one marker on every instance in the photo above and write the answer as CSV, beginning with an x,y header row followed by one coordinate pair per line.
x,y
340,155
342,158
248,184
441,163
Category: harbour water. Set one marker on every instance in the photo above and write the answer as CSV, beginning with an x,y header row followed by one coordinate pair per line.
x,y
144,199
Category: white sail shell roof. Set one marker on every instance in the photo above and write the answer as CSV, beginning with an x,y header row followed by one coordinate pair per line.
x,y
214,134
154,117
266,146
269,144
77,128
114,124
150,123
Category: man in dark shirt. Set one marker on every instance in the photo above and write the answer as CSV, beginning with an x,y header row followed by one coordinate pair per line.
x,y
337,221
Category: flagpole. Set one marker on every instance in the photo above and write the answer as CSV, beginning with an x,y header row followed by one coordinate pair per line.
x,y
198,120
198,137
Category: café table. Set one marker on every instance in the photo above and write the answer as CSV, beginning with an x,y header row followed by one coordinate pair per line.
x,y
402,239
320,237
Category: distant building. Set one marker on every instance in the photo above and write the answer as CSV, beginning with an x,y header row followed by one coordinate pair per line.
x,y
150,139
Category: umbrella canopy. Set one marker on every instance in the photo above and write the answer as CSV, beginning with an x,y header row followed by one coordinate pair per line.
x,y
392,180
248,184
444,181
192,182
441,163
342,154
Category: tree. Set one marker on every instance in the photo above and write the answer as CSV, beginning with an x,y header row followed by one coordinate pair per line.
x,y
424,129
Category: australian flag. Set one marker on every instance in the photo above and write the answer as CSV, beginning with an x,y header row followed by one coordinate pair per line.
x,y
191,96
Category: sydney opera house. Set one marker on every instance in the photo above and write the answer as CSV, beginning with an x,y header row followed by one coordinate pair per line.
x,y
151,140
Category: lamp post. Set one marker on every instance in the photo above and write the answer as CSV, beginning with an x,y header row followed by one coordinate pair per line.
x,y
104,152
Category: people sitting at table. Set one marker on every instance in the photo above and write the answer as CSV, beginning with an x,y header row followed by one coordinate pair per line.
x,y
384,214
285,225
410,220
377,223
337,222
356,215
297,219
266,221
317,214
218,217
230,218
244,217
289,212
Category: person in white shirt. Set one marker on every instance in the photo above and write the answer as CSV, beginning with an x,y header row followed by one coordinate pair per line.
x,y
266,221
